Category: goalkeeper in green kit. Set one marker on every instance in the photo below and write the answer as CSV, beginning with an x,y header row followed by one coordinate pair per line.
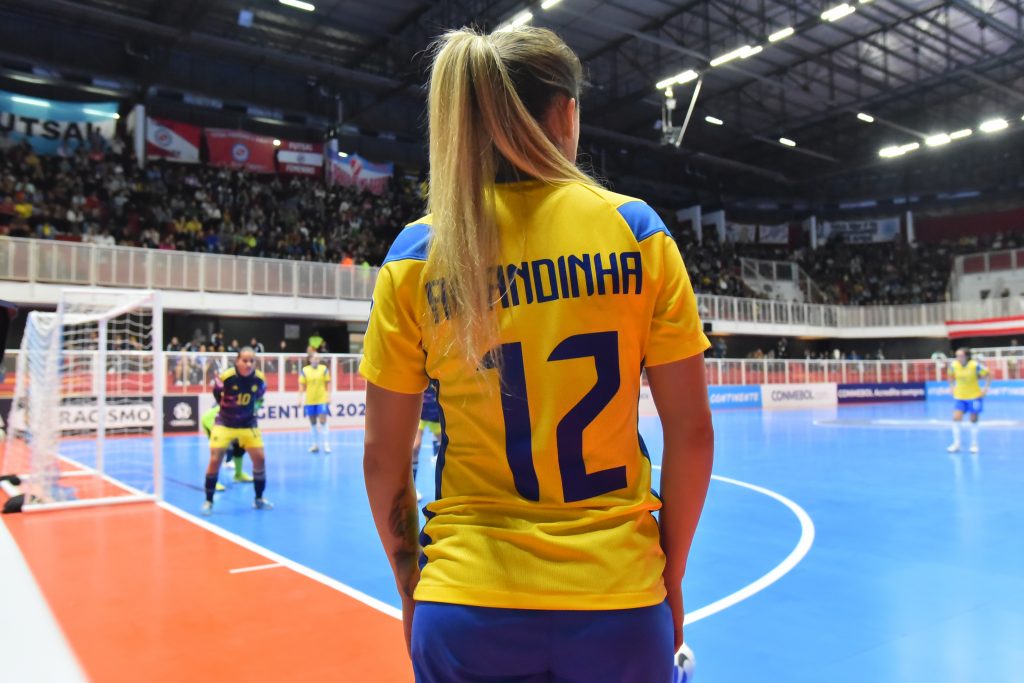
x,y
234,455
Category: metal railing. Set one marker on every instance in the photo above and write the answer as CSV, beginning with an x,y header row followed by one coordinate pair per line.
x,y
193,373
75,263
735,309
72,263
756,271
999,352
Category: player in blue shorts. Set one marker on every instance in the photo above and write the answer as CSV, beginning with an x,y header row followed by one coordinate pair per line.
x,y
968,395
531,298
315,391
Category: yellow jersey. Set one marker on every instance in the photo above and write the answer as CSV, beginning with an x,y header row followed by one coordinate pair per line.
x,y
966,386
317,383
543,484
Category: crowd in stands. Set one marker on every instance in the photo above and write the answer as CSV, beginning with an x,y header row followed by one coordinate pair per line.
x,y
102,196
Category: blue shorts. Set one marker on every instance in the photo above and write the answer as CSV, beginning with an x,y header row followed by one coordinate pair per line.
x,y
462,644
971,406
317,410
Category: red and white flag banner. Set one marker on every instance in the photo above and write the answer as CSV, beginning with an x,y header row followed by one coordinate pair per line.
x,y
989,327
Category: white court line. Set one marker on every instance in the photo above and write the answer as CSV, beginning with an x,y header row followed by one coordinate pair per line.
x,y
290,564
259,567
32,646
798,553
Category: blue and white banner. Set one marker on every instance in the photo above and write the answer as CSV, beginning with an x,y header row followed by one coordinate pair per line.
x,y
1003,389
354,170
735,396
878,230
50,125
878,393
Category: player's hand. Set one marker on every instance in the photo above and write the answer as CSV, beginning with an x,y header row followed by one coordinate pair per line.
x,y
675,601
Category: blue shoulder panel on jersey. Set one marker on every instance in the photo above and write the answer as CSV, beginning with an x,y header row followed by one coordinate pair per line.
x,y
411,243
642,220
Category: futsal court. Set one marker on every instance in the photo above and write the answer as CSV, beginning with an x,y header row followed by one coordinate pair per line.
x,y
837,545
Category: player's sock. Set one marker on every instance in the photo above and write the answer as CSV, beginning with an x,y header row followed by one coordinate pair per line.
x,y
974,434
324,432
956,434
259,481
313,431
211,486
237,460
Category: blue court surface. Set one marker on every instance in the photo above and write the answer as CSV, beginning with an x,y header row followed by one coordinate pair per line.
x,y
915,572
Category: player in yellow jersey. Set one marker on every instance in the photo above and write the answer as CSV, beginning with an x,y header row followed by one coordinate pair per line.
x,y
531,298
968,394
315,393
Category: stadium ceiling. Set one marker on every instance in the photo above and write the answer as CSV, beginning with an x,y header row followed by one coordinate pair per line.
x,y
919,68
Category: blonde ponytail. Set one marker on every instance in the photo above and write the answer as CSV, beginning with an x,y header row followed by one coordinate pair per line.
x,y
487,95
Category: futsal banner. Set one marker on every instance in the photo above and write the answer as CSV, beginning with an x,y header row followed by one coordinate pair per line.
x,y
353,170
1010,389
300,158
734,396
880,393
878,230
50,125
773,234
990,327
798,395
282,410
238,149
172,140
181,414
75,418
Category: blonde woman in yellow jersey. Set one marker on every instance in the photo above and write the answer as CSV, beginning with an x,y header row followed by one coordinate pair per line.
x,y
532,298
315,394
968,395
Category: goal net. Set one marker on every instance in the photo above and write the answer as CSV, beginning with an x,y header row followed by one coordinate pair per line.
x,y
86,422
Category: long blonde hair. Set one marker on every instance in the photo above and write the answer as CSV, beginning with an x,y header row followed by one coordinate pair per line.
x,y
488,94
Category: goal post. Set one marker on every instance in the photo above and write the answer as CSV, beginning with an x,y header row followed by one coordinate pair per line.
x,y
86,422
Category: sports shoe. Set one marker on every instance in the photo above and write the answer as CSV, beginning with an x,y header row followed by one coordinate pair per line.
x,y
242,476
327,448
262,504
954,448
207,509
314,449
220,487
974,448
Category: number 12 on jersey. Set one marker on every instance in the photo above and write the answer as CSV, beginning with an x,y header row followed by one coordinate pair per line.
x,y
577,483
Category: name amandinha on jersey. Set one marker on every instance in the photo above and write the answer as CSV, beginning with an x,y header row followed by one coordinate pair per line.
x,y
544,280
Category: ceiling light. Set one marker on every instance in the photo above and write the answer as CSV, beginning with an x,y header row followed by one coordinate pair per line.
x,y
714,120
890,152
993,125
866,118
548,4
299,4
277,143
738,53
781,34
521,19
910,147
29,100
787,142
678,79
957,134
838,12
938,139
